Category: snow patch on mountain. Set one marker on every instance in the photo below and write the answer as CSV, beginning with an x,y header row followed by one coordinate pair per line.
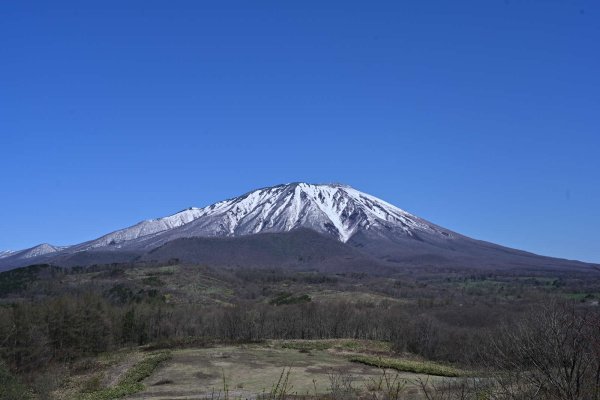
x,y
40,250
333,209
337,210
147,227
6,253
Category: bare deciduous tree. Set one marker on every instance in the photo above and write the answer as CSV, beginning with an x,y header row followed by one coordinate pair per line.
x,y
551,353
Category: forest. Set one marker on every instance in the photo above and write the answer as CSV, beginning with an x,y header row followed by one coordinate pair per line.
x,y
525,334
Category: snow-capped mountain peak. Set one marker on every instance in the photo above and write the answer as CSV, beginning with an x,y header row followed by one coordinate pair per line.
x,y
369,225
334,209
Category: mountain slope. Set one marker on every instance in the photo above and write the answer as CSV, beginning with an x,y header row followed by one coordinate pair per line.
x,y
302,249
358,222
6,253
142,229
338,211
28,256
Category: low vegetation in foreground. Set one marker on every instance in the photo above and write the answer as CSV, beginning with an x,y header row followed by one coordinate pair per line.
x,y
108,332
418,367
130,383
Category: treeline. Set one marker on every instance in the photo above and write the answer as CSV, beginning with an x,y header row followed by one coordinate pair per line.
x,y
66,328
539,348
551,351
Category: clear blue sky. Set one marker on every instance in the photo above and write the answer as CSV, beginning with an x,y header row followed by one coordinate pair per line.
x,y
481,116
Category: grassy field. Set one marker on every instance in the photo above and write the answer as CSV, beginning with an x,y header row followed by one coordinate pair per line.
x,y
314,368
247,371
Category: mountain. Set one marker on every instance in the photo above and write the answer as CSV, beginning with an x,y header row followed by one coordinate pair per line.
x,y
6,253
245,229
12,259
337,211
300,248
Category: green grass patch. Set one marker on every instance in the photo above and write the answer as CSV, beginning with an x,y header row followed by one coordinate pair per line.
x,y
350,345
582,296
131,381
418,367
164,271
288,298
153,281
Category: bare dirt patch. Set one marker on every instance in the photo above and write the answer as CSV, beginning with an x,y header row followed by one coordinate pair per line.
x,y
250,371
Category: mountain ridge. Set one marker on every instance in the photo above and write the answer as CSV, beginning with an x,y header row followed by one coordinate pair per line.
x,y
380,230
277,208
